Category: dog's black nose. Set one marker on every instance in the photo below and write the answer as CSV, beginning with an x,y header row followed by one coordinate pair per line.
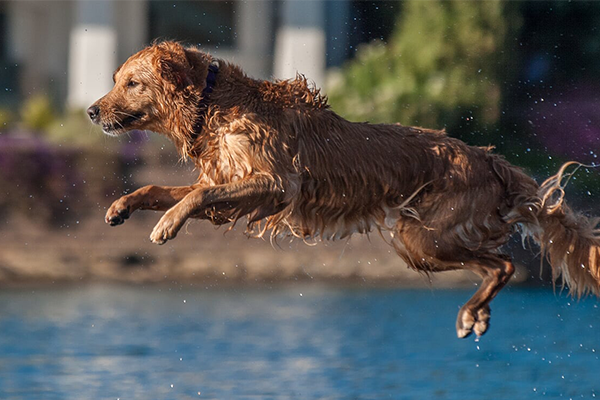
x,y
93,112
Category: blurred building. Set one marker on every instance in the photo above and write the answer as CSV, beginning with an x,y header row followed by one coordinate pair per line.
x,y
69,48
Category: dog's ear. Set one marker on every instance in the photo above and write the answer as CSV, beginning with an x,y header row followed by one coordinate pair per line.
x,y
173,65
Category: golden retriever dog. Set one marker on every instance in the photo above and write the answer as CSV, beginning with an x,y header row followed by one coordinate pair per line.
x,y
277,155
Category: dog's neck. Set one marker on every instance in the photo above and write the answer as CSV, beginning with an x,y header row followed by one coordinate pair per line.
x,y
203,104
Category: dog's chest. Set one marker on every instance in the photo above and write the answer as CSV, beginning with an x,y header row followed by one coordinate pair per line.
x,y
227,161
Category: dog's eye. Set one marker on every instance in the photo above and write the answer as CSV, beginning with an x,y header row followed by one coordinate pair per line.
x,y
132,83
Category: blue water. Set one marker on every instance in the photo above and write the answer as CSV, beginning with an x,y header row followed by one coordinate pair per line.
x,y
294,342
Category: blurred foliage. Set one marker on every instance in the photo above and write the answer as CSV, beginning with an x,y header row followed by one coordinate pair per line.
x,y
442,66
37,113
52,169
75,128
37,180
6,119
56,185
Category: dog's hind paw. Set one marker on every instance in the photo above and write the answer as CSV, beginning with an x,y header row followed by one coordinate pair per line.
x,y
483,321
469,321
464,323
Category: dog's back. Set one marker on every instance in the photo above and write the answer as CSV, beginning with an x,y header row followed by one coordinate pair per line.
x,y
355,177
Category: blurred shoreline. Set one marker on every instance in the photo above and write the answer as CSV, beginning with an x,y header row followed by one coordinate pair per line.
x,y
203,256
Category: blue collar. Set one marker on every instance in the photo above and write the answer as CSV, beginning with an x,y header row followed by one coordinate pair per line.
x,y
211,81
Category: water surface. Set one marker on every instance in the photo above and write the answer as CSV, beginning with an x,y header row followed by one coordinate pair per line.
x,y
298,342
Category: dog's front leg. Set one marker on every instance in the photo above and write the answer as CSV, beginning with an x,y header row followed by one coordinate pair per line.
x,y
158,198
258,195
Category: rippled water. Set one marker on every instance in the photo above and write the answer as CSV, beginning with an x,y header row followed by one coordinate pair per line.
x,y
298,342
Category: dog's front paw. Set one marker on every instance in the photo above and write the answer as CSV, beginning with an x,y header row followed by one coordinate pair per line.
x,y
118,212
166,229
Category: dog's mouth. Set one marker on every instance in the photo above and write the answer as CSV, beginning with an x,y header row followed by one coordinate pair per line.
x,y
127,123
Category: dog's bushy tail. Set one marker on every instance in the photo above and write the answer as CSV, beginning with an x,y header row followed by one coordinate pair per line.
x,y
568,240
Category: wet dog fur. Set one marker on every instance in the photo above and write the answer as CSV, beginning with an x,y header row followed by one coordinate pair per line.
x,y
277,155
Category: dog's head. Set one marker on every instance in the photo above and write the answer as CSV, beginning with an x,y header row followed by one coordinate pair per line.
x,y
150,87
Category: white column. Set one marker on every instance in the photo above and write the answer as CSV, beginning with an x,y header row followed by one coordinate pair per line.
x,y
92,55
132,26
254,37
300,41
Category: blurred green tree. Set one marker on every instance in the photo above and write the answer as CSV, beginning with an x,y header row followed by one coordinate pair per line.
x,y
442,67
37,113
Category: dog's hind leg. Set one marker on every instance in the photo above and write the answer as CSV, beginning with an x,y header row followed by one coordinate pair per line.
x,y
495,271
